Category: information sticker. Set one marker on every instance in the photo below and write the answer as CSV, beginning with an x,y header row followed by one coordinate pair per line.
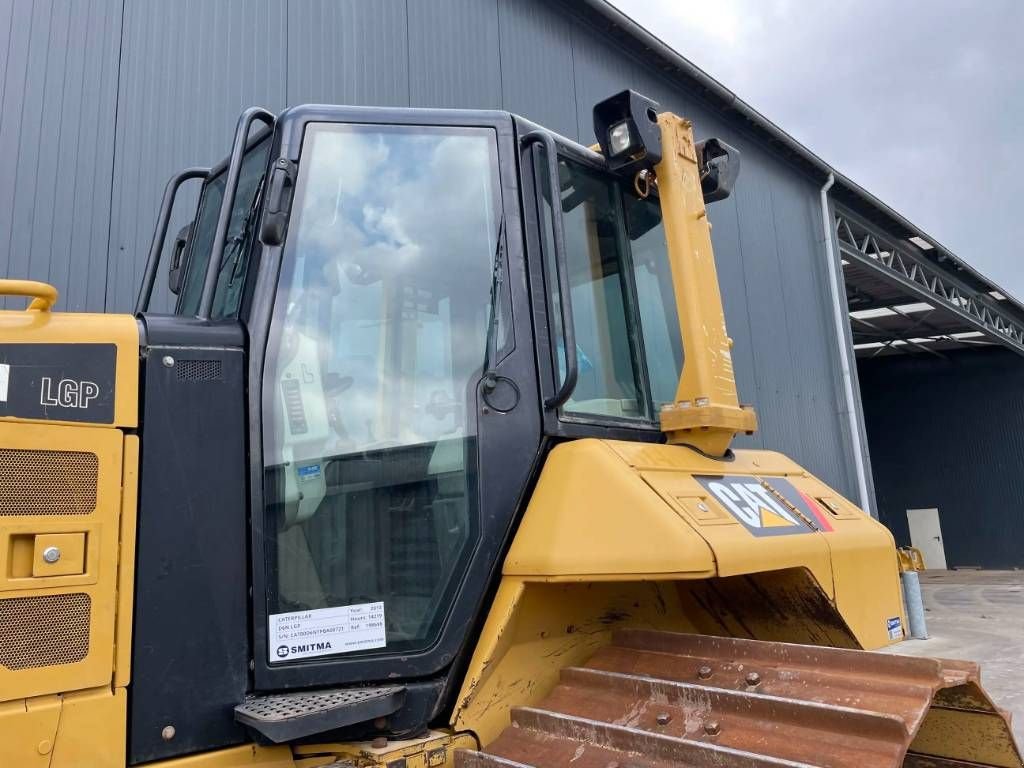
x,y
326,631
895,628
5,377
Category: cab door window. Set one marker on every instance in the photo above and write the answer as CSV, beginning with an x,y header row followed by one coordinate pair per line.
x,y
379,339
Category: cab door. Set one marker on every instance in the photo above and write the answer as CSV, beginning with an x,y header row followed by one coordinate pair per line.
x,y
397,420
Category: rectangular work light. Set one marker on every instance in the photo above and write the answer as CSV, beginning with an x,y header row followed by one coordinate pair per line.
x,y
627,129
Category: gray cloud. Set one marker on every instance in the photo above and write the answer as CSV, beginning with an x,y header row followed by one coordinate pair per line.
x,y
919,101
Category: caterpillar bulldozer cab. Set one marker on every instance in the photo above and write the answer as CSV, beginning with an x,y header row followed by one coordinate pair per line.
x,y
431,466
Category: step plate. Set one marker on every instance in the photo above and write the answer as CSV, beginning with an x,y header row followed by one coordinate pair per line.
x,y
286,717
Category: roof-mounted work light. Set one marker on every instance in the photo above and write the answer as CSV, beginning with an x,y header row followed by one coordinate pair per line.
x,y
626,126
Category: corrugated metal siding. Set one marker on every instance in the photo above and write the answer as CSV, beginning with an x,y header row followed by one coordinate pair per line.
x,y
187,69
58,88
950,434
454,58
348,52
537,78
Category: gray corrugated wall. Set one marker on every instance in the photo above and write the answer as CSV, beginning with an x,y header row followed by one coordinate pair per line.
x,y
173,77
929,421
58,95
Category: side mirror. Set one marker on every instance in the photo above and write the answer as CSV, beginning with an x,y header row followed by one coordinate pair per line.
x,y
176,273
719,168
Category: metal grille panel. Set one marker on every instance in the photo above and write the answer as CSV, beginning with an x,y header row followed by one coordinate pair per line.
x,y
199,370
283,707
44,631
47,482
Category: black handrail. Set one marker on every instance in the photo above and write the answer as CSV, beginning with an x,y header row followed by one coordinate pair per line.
x,y
156,246
561,269
245,121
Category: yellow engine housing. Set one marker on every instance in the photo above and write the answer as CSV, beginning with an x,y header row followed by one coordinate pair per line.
x,y
622,534
72,484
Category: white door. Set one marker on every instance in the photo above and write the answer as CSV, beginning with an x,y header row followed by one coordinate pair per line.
x,y
926,535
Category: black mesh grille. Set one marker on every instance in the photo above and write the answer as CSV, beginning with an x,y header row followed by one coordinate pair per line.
x,y
199,370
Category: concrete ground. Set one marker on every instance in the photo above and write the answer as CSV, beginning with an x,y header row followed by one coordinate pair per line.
x,y
977,615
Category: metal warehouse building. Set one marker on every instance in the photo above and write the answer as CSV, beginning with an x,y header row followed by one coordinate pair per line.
x,y
875,357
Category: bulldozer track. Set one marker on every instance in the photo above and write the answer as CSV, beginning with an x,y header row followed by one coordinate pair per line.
x,y
653,699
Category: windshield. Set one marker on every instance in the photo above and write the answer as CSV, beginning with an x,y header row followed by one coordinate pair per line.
x,y
378,342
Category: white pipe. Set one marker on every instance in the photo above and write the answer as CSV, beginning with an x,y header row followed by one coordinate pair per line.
x,y
840,321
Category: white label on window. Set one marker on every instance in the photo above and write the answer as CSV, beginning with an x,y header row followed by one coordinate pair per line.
x,y
5,377
326,631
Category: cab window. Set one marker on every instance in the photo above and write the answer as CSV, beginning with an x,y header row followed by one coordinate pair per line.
x,y
379,339
659,318
628,344
234,265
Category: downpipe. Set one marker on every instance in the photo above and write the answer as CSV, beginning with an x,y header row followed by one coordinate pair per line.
x,y
840,320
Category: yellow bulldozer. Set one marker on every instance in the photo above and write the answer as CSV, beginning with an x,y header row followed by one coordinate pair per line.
x,y
431,466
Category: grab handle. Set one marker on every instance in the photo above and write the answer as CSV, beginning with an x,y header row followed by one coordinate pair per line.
x,y
43,295
156,246
227,205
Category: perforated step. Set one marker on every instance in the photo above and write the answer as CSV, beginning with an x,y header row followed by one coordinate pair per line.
x,y
286,717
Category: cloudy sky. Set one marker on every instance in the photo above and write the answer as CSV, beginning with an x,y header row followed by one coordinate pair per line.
x,y
919,101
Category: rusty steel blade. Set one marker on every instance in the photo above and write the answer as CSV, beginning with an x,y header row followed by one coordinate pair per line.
x,y
654,699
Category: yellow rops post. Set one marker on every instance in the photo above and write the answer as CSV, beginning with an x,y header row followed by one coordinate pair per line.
x,y
431,465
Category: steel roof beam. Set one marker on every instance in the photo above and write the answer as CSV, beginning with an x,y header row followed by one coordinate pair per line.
x,y
872,249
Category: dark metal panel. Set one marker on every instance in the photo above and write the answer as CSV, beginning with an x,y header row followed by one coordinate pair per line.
x,y
58,80
190,649
349,52
950,434
536,48
453,54
187,70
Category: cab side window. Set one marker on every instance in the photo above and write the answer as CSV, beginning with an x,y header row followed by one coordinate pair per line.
x,y
608,382
234,264
656,299
628,342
